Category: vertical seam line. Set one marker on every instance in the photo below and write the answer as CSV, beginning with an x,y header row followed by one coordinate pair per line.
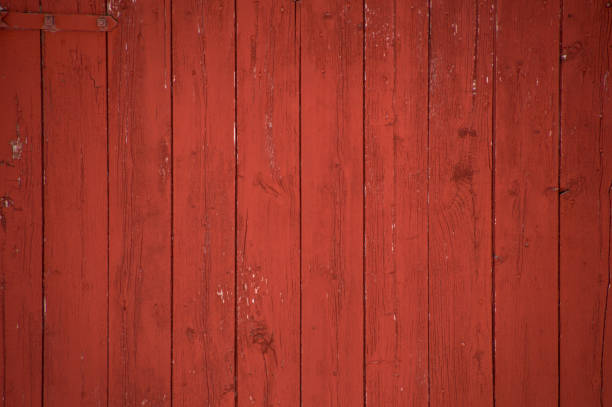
x,y
560,83
363,197
298,41
107,223
171,205
493,174
42,187
235,203
429,9
607,291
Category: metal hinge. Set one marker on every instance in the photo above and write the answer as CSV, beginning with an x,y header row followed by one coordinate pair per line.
x,y
13,20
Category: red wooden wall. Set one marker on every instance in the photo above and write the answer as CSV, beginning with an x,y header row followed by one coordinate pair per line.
x,y
313,202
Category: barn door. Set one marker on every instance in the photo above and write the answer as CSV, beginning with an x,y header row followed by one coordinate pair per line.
x,y
53,169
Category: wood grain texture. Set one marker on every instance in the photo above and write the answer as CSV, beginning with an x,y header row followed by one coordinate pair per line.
x,y
460,203
75,213
268,213
315,202
396,55
332,202
204,175
20,215
526,203
140,203
585,174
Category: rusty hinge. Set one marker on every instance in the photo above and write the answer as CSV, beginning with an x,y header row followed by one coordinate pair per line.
x,y
14,20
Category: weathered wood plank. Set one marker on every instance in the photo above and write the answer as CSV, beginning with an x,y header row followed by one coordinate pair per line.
x,y
332,202
526,203
396,64
585,174
268,238
460,225
75,213
204,176
21,250
140,203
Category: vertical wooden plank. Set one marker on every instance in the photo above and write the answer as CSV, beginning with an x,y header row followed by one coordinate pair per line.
x,y
585,174
204,176
268,246
526,203
460,203
140,203
75,213
396,53
20,215
332,202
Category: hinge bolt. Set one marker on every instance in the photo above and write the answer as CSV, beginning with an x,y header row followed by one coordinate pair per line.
x,y
49,22
101,23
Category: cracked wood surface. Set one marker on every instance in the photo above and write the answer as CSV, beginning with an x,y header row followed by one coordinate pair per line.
x,y
140,202
585,207
333,203
75,212
21,215
268,204
396,55
526,203
460,112
203,188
